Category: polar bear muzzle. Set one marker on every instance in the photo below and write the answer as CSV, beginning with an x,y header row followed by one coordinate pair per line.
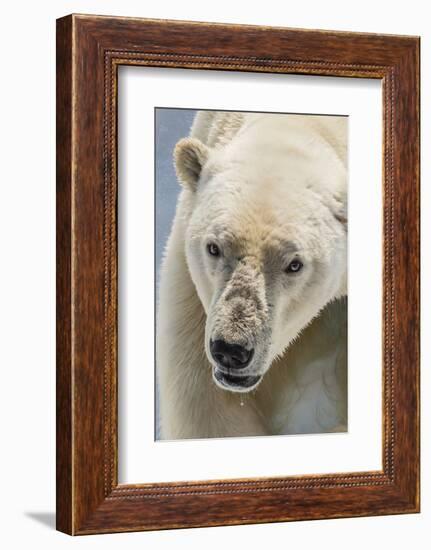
x,y
230,356
238,329
236,383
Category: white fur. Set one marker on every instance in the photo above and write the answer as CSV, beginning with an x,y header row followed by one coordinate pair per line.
x,y
266,189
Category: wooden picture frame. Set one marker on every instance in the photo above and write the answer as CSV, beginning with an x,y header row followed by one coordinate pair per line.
x,y
89,51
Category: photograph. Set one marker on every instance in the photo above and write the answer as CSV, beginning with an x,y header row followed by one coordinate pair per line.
x,y
251,246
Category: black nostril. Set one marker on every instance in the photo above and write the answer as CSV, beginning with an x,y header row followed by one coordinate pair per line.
x,y
231,356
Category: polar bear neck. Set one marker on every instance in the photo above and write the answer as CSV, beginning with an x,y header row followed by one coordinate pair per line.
x,y
217,128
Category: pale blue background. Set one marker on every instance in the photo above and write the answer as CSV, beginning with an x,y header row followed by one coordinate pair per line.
x,y
170,126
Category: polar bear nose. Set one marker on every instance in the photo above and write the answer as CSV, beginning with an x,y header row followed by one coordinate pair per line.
x,y
231,356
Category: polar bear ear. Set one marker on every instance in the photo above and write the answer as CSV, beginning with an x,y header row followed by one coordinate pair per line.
x,y
340,209
190,155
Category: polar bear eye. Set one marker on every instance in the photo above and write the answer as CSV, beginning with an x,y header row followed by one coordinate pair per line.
x,y
213,249
294,266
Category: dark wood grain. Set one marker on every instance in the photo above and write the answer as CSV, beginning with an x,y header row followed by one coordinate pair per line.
x,y
64,496
90,49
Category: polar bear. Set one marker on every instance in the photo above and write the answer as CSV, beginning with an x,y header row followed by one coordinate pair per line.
x,y
252,313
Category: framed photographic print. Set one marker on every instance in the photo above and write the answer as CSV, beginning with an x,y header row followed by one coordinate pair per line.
x,y
237,274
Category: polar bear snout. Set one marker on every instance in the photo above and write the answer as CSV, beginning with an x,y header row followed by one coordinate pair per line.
x,y
231,360
230,356
237,331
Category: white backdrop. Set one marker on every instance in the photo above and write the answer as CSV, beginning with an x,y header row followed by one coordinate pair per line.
x,y
28,258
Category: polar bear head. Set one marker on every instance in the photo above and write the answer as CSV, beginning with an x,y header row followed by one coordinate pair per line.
x,y
265,239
